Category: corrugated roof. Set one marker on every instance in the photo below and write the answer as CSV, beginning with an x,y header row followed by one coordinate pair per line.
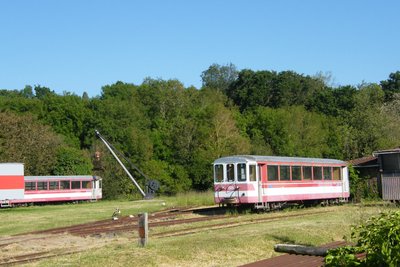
x,y
388,151
363,160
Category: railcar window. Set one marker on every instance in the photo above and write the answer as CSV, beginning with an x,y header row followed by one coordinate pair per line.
x,y
272,172
86,184
65,185
76,184
285,173
53,185
307,173
241,172
336,173
100,183
41,185
317,171
29,186
327,173
230,172
296,173
218,173
252,169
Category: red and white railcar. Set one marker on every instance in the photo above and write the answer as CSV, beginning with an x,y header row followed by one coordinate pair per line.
x,y
268,181
15,188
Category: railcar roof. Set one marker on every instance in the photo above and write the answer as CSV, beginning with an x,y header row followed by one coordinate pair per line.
x,y
71,177
256,158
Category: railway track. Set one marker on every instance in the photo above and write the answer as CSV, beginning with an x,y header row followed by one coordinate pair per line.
x,y
109,228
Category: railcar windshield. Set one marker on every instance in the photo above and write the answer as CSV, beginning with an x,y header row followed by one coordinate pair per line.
x,y
241,172
218,173
230,172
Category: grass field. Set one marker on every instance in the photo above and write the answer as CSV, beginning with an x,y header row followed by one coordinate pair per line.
x,y
223,247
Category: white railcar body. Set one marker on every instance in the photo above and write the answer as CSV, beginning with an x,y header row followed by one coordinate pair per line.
x,y
261,180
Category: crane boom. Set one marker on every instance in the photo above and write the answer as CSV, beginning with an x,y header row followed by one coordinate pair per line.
x,y
120,162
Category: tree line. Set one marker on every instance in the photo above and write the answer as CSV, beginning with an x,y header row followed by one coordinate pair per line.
x,y
173,133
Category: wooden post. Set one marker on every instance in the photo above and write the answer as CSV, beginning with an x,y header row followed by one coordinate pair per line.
x,y
143,229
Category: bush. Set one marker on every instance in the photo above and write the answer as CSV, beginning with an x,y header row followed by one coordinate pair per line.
x,y
378,239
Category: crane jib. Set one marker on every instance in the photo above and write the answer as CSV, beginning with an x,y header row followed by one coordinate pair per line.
x,y
109,147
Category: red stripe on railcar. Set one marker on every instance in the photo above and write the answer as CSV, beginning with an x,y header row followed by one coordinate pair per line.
x,y
12,182
53,199
66,191
300,184
293,197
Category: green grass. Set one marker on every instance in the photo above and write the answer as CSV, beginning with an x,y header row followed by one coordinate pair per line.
x,y
223,247
229,246
26,219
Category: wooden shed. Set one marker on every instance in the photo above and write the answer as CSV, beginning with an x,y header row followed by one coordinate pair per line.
x,y
389,173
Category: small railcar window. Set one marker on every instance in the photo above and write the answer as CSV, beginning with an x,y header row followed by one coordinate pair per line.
x,y
253,176
307,173
76,184
29,186
218,173
317,171
296,173
285,173
336,173
86,184
327,173
230,172
53,185
272,172
41,185
100,183
241,172
66,185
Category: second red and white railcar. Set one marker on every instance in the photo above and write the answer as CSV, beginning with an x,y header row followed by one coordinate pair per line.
x,y
268,181
17,189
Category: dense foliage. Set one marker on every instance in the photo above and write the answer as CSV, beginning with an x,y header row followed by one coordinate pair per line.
x,y
377,244
174,133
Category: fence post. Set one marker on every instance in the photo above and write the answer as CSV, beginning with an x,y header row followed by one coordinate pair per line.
x,y
143,229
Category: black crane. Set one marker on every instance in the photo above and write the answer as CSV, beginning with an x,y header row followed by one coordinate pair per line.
x,y
151,185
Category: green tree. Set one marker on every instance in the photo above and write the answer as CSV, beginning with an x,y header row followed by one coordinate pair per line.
x,y
293,131
72,161
24,139
365,123
391,86
66,114
219,77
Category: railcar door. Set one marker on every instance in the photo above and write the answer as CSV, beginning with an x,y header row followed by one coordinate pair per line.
x,y
260,180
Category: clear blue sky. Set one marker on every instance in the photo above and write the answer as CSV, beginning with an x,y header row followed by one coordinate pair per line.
x,y
82,45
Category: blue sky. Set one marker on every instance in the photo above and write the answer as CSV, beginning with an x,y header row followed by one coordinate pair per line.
x,y
82,45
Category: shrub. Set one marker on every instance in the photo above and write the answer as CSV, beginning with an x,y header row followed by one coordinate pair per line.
x,y
378,239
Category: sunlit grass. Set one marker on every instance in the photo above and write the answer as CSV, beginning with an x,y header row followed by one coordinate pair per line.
x,y
227,246
209,247
34,218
